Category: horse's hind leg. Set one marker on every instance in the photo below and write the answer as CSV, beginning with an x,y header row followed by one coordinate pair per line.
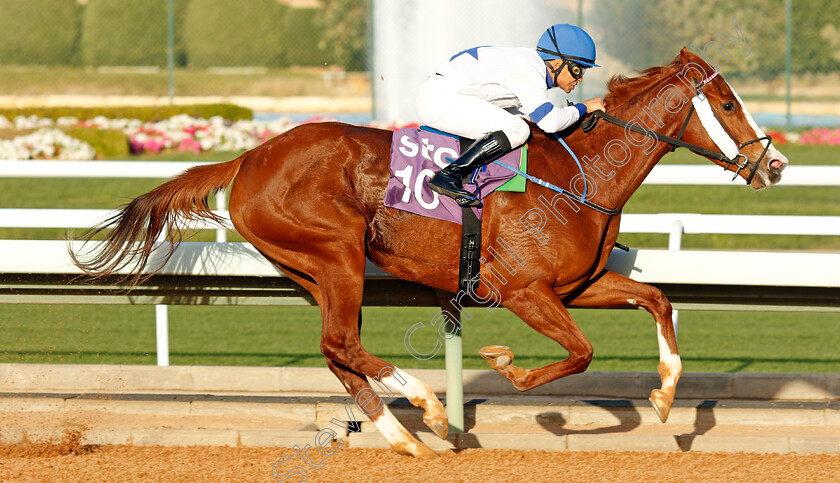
x,y
615,290
336,282
328,259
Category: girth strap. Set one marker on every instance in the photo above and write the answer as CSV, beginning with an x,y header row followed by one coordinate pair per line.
x,y
469,266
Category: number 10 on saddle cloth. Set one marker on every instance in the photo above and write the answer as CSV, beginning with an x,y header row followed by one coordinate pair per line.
x,y
417,154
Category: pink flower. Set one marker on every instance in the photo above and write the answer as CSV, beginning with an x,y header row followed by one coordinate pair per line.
x,y
821,136
190,145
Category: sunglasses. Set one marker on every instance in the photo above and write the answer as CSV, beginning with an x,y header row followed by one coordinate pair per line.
x,y
575,69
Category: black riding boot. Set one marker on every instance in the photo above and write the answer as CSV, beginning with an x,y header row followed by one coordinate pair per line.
x,y
484,151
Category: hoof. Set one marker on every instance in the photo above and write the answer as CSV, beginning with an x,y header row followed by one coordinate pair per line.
x,y
661,404
440,426
416,449
427,454
498,356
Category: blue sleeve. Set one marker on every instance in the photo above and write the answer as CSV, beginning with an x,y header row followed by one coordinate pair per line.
x,y
540,112
581,107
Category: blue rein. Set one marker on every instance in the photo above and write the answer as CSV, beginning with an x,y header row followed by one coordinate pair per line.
x,y
578,199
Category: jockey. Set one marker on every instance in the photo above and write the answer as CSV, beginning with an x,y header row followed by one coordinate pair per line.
x,y
483,93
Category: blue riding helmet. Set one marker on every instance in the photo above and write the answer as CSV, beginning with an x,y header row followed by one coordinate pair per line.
x,y
567,42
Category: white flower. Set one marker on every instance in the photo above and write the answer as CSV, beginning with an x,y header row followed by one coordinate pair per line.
x,y
215,133
46,143
66,121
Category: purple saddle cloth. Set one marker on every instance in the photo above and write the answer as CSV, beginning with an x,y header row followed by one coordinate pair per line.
x,y
416,155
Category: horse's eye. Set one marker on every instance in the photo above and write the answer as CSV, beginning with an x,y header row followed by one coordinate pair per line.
x,y
729,106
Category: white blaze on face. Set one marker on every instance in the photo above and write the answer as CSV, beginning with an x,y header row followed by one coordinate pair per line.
x,y
772,152
727,145
758,132
713,127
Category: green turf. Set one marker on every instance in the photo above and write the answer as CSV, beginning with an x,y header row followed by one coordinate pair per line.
x,y
624,340
804,155
40,80
289,336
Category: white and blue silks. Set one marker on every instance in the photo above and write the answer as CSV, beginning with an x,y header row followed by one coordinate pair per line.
x,y
488,89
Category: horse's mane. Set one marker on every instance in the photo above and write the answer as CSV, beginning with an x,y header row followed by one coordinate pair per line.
x,y
622,88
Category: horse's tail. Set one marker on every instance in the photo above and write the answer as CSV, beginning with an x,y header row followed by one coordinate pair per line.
x,y
133,233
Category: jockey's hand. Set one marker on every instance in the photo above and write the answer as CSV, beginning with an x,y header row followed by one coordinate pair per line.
x,y
594,104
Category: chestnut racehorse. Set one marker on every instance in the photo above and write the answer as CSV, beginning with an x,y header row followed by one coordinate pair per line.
x,y
311,201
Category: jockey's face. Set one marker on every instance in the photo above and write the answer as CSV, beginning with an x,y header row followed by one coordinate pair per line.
x,y
565,80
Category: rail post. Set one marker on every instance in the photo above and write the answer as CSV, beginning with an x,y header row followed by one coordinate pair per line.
x,y
162,334
455,381
221,204
675,243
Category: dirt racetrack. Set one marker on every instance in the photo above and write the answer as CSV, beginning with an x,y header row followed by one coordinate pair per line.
x,y
72,461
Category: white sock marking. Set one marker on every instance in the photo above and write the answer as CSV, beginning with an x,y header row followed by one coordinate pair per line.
x,y
672,361
409,386
390,427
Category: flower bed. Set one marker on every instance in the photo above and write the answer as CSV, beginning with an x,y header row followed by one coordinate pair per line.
x,y
45,142
178,133
821,137
185,133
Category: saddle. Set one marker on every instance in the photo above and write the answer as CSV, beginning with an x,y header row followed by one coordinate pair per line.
x,y
416,155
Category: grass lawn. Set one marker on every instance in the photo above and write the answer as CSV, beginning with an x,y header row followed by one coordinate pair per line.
x,y
624,340
53,80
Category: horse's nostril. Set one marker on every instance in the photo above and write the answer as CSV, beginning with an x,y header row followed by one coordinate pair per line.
x,y
776,164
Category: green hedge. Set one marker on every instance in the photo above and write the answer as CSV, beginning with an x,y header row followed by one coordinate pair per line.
x,y
128,32
643,33
153,113
207,33
39,32
301,37
235,33
343,31
108,143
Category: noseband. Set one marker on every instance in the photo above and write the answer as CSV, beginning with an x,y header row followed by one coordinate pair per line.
x,y
677,142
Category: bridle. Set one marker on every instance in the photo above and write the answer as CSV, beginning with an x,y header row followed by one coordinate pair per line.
x,y
722,137
707,115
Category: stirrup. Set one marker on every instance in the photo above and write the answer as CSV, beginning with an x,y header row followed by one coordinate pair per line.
x,y
465,202
483,151
457,193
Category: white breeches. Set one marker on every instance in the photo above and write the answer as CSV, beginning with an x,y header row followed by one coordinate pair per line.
x,y
442,105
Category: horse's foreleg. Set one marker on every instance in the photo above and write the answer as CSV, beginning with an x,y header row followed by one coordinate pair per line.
x,y
541,308
614,290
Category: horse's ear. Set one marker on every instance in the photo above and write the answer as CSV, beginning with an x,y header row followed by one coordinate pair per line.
x,y
690,58
687,56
